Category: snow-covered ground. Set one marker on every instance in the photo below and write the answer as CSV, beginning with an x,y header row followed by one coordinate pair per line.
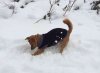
x,y
82,55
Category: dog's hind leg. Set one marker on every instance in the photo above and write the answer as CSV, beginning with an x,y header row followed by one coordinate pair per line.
x,y
63,44
38,51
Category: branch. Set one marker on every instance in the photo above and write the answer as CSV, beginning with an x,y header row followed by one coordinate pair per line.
x,y
69,7
49,13
72,5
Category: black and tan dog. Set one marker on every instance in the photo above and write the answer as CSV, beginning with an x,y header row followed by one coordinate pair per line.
x,y
51,38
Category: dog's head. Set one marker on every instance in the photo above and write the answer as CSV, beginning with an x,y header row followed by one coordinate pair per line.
x,y
32,41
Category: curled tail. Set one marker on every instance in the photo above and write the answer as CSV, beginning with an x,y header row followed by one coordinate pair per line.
x,y
70,26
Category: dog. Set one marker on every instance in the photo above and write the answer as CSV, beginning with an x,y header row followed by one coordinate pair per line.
x,y
51,38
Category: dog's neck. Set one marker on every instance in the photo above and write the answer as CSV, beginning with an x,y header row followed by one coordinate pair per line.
x,y
39,39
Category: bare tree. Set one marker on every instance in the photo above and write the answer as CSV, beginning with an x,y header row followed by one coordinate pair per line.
x,y
50,12
11,6
69,6
84,1
16,0
95,6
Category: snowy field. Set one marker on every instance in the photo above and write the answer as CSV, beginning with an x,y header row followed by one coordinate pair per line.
x,y
82,55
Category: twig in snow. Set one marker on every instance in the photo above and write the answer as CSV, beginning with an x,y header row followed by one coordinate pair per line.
x,y
68,7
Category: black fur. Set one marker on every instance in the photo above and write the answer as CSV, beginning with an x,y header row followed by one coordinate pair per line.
x,y
53,37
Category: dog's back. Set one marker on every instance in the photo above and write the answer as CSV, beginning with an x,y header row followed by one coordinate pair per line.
x,y
54,36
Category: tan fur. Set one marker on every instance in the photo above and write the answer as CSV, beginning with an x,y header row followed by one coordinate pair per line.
x,y
34,39
39,51
65,41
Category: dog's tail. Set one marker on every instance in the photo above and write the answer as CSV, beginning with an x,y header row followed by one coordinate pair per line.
x,y
69,23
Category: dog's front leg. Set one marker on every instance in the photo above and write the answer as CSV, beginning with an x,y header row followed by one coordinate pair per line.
x,y
38,51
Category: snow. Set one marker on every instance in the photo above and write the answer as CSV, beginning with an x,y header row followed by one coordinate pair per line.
x,y
82,55
56,41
